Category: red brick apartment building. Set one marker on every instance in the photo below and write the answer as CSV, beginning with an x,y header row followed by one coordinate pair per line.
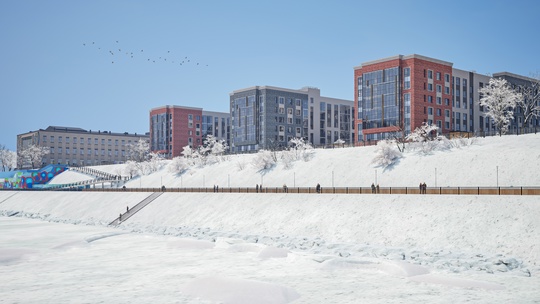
x,y
174,127
401,93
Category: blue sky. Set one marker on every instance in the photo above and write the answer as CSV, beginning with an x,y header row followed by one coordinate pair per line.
x,y
56,66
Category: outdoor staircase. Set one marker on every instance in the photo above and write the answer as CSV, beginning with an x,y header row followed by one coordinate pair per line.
x,y
123,217
97,173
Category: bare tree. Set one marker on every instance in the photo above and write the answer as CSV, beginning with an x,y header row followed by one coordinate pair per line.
x,y
530,103
500,101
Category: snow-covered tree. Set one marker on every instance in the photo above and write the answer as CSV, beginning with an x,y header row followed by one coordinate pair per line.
x,y
300,149
32,155
154,162
530,101
188,152
423,133
212,150
263,160
339,142
386,154
131,169
499,100
177,165
8,159
426,139
138,151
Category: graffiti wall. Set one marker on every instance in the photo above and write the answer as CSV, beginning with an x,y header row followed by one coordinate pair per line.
x,y
26,179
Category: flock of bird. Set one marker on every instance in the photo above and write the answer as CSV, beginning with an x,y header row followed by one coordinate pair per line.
x,y
117,53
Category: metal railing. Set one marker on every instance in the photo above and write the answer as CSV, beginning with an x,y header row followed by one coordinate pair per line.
x,y
342,190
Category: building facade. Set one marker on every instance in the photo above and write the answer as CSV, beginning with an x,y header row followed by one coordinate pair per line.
x,y
174,127
79,147
265,117
399,94
520,84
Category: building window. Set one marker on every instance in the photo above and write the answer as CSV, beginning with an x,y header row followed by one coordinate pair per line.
x,y
447,77
44,138
439,88
406,78
430,74
59,139
438,76
447,101
439,100
447,113
430,87
67,139
438,112
430,99
430,110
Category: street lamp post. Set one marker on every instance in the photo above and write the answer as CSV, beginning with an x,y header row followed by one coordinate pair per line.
x,y
497,176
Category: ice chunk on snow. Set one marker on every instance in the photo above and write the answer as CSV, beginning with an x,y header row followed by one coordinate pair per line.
x,y
456,282
402,269
341,263
239,291
191,244
273,252
9,256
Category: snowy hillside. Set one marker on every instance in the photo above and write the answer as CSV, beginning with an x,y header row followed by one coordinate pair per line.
x,y
492,161
299,248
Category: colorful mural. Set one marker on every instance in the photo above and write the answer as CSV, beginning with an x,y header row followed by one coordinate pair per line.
x,y
27,179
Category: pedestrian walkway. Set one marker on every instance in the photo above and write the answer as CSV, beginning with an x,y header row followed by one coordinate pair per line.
x,y
130,212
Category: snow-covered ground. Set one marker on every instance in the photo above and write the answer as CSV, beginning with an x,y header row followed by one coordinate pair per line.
x,y
281,248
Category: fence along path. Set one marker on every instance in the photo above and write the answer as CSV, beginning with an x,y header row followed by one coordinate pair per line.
x,y
344,190
124,216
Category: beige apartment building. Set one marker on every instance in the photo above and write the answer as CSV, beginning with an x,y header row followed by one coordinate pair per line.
x,y
79,147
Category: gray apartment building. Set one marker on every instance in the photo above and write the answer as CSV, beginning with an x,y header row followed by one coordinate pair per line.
x,y
265,117
469,116
79,147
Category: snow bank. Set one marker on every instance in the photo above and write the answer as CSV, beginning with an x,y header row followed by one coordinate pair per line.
x,y
447,232
239,291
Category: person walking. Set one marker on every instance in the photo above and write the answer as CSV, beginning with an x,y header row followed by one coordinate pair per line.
x,y
257,188
378,189
318,188
372,188
421,188
424,187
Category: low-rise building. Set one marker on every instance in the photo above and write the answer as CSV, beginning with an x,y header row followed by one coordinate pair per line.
x,y
79,147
